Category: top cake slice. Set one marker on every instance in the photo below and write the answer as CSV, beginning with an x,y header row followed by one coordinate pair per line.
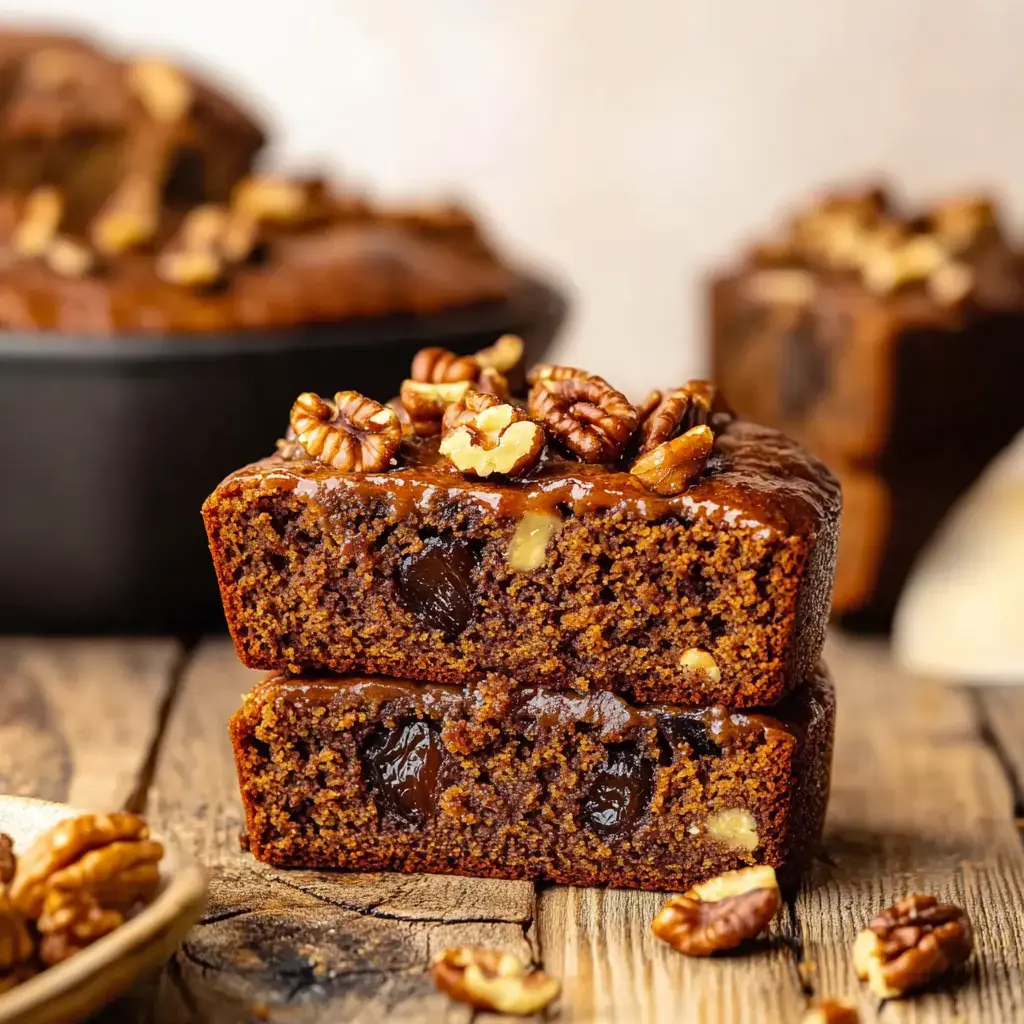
x,y
668,552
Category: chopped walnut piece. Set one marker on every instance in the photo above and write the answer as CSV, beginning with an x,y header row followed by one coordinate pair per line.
x,y
701,661
193,256
503,355
585,414
130,216
39,222
780,286
951,283
959,220
529,547
8,861
735,828
163,90
352,434
671,467
499,439
832,1011
435,365
426,403
492,382
910,944
278,200
647,406
721,913
488,979
69,258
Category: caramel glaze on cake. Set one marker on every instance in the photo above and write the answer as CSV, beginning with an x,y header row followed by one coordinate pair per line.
x,y
382,774
573,576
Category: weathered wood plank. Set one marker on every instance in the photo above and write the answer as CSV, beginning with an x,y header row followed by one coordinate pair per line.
x,y
920,803
301,945
613,969
79,717
1002,712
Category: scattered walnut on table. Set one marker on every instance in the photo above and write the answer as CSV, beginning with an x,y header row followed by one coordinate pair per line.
x,y
586,415
488,979
69,258
721,913
497,439
352,434
673,465
910,944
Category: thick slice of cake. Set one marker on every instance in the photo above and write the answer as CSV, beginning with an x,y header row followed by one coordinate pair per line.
x,y
585,789
669,552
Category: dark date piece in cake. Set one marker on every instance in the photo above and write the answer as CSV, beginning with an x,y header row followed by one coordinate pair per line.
x,y
584,789
572,575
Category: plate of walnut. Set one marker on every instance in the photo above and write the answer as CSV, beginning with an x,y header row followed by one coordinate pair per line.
x,y
88,903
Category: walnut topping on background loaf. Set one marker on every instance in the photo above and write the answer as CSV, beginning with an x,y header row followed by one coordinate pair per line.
x,y
862,233
135,172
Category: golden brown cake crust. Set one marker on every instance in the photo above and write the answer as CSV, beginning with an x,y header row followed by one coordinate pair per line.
x,y
380,774
717,595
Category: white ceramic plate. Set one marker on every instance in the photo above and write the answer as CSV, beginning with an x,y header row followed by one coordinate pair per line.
x,y
90,979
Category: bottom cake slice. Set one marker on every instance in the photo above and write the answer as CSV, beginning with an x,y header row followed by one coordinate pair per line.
x,y
586,789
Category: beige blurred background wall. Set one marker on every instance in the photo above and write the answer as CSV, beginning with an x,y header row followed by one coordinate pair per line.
x,y
624,145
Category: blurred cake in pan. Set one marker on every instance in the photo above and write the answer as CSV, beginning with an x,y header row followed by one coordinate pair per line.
x,y
168,297
128,203
889,344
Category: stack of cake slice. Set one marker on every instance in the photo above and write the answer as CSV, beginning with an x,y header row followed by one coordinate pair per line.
x,y
568,638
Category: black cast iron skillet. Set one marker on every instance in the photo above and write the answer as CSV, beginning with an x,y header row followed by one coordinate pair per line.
x,y
112,443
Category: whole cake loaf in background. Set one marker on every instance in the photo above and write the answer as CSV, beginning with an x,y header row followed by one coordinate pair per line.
x,y
889,345
593,629
128,203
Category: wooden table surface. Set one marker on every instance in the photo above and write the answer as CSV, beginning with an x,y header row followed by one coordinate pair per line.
x,y
925,797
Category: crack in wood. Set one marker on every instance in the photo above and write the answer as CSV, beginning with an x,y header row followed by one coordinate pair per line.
x,y
371,910
139,796
988,736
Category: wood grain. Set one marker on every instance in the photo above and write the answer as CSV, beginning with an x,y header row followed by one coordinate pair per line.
x,y
302,946
920,803
80,717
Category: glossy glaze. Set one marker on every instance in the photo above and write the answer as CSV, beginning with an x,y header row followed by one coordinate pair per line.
x,y
756,478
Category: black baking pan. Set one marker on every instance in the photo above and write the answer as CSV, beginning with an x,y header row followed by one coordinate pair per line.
x,y
112,444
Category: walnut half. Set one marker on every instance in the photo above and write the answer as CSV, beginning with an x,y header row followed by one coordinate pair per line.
x,y
499,439
910,944
721,913
351,434
488,979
